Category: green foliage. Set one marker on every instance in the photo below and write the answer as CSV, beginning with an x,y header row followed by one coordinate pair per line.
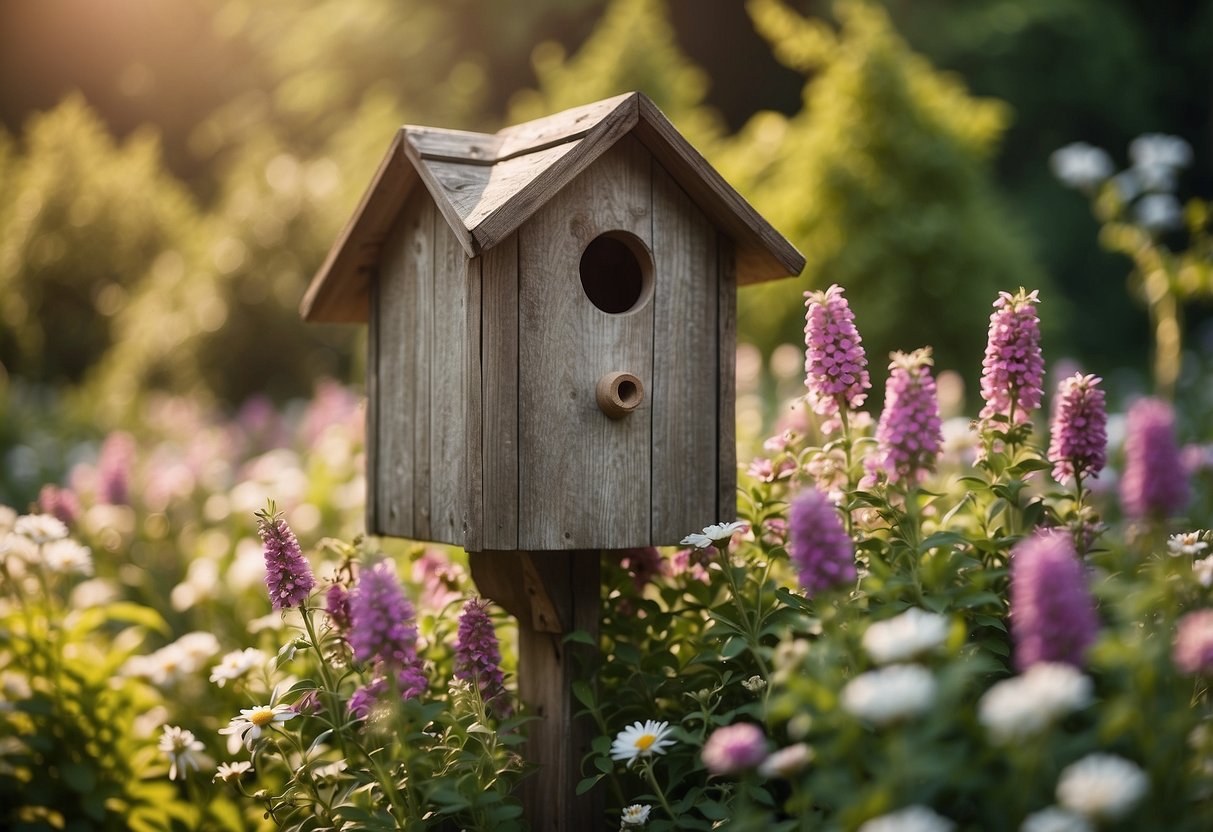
x,y
883,181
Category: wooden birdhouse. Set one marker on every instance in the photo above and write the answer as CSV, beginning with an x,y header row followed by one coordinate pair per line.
x,y
552,315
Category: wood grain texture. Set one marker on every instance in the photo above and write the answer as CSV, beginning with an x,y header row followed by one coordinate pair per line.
x,y
536,587
476,191
584,479
339,293
543,186
567,125
685,364
766,254
373,456
449,342
453,145
499,351
441,203
396,375
473,419
726,400
420,269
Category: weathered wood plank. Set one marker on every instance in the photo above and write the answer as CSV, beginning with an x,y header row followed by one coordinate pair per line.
x,y
499,349
685,368
373,457
584,478
473,420
567,586
476,191
506,217
420,267
454,145
396,378
530,136
726,474
448,387
764,254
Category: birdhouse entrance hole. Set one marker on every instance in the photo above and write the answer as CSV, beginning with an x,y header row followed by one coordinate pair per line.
x,y
616,272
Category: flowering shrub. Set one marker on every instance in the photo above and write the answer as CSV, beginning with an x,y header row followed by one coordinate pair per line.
x,y
900,625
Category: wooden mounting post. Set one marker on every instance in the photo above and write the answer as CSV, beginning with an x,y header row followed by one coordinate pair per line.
x,y
551,594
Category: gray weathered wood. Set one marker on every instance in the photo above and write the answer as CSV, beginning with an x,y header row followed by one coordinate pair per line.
x,y
420,263
764,253
551,594
449,340
726,391
473,419
499,349
685,369
396,374
374,457
584,478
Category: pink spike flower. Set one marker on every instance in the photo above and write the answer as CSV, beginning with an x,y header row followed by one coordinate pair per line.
x,y
1078,446
1013,368
288,577
909,434
835,364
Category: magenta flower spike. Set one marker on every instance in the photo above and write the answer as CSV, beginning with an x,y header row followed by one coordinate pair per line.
x,y
1052,613
381,618
477,654
1013,368
1078,445
337,605
909,434
1155,482
287,574
835,364
820,547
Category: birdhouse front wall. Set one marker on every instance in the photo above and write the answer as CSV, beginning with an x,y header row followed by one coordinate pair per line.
x,y
484,426
558,472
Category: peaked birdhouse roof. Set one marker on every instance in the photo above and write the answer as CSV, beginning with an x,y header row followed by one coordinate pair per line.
x,y
486,185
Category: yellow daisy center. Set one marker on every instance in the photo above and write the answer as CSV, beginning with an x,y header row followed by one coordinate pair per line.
x,y
261,717
644,741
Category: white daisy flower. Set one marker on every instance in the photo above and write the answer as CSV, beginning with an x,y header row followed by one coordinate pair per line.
x,y
641,739
890,693
1054,819
197,647
66,556
181,746
231,772
235,664
635,815
1024,705
249,726
16,550
8,517
910,634
909,819
40,528
1203,571
712,535
1102,786
1188,543
786,761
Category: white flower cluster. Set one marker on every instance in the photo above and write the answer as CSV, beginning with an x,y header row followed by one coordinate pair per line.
x,y
1025,705
235,664
1055,819
184,656
890,694
905,636
1102,787
1081,165
41,539
1188,543
910,819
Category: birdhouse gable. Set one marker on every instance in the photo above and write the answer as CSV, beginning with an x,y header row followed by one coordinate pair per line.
x,y
486,186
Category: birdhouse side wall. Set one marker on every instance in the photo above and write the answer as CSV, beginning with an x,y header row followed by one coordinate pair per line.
x,y
417,380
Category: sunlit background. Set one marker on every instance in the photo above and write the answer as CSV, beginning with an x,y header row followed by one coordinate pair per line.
x,y
172,173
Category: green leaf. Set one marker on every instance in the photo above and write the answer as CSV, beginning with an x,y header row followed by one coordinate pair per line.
x,y
580,637
588,783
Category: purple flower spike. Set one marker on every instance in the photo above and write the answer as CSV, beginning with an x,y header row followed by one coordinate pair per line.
x,y
909,434
114,466
381,618
477,655
1078,446
287,574
60,503
820,547
1155,482
835,365
1193,653
1052,613
1013,369
734,748
337,605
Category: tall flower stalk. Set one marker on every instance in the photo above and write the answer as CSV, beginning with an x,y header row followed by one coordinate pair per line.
x,y
909,434
1079,435
1052,613
1155,482
288,577
1013,368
